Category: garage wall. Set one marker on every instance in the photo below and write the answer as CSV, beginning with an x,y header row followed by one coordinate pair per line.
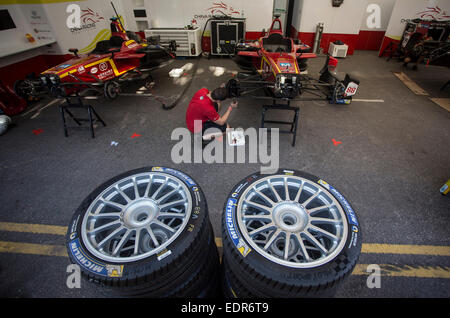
x,y
346,23
413,9
52,15
371,38
178,14
28,19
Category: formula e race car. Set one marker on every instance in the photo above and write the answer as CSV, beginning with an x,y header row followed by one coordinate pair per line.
x,y
102,70
278,64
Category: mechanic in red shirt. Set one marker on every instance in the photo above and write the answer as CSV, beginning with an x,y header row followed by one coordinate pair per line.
x,y
204,106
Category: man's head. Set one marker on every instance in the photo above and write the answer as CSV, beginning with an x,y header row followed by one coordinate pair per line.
x,y
219,94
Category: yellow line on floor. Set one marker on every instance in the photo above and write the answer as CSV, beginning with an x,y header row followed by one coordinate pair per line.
x,y
34,249
406,271
33,228
360,269
443,102
373,248
416,89
368,248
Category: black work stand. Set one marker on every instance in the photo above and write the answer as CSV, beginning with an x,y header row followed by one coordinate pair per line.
x,y
64,108
292,123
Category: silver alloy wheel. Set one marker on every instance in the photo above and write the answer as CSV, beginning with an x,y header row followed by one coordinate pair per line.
x,y
136,217
292,221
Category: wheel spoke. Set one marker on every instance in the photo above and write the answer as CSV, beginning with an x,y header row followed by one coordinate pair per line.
x,y
167,195
261,229
272,238
126,197
319,208
274,191
110,236
104,227
287,245
171,204
323,232
258,206
299,192
152,235
164,226
149,184
257,217
324,220
286,189
314,241
265,197
119,206
305,204
302,248
105,215
136,191
122,242
163,185
137,241
171,215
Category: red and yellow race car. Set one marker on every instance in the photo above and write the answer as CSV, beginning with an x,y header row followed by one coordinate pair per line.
x,y
121,58
279,65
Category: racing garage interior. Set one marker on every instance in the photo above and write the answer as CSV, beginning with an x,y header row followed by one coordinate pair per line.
x,y
225,150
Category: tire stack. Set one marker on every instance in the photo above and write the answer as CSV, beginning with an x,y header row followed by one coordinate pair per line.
x,y
146,233
286,235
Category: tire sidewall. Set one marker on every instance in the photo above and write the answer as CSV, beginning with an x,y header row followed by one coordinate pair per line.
x,y
94,266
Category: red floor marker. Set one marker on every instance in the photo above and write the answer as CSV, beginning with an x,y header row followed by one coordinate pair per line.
x,y
37,131
336,142
135,135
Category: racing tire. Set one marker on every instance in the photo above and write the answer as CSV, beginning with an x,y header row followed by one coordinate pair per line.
x,y
145,232
287,235
111,90
5,121
23,88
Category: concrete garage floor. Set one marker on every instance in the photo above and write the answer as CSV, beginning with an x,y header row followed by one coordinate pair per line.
x,y
393,159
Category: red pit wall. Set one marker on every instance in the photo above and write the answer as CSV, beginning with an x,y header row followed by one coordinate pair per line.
x,y
349,39
365,40
369,40
13,72
385,43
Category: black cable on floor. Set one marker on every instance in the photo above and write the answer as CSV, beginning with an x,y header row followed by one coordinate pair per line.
x,y
194,71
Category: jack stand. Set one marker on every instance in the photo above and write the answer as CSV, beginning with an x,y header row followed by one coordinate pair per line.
x,y
64,108
292,123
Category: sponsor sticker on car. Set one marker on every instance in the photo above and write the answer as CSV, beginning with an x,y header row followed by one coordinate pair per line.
x,y
105,74
103,66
